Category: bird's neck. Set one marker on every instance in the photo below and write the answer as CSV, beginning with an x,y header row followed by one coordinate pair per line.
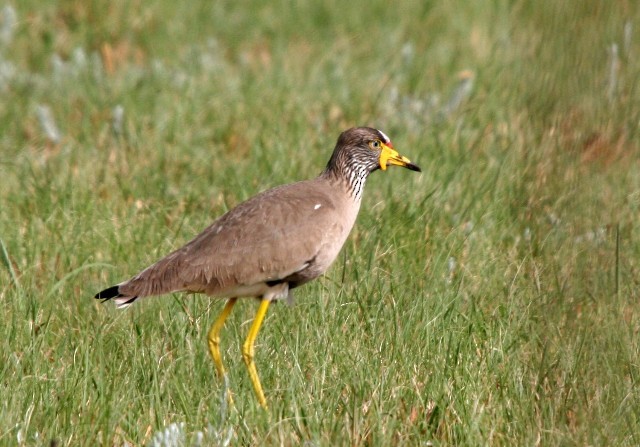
x,y
349,177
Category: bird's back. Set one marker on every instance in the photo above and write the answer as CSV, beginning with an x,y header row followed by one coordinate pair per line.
x,y
290,233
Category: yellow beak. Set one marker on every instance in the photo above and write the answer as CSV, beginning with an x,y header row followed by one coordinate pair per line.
x,y
389,156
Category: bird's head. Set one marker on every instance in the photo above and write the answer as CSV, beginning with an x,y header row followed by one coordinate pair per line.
x,y
370,148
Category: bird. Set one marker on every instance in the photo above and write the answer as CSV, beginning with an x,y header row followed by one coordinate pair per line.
x,y
270,244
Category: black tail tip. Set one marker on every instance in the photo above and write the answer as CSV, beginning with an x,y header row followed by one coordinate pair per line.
x,y
106,294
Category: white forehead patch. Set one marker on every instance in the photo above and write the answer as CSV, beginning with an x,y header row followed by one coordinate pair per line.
x,y
386,138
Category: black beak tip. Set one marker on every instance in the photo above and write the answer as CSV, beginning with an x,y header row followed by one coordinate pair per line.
x,y
413,167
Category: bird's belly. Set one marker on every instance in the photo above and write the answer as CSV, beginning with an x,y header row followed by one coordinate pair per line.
x,y
271,292
240,290
325,257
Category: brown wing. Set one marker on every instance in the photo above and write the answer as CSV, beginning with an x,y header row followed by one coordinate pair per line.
x,y
267,238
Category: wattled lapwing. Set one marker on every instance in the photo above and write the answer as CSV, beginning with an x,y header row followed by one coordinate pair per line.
x,y
270,244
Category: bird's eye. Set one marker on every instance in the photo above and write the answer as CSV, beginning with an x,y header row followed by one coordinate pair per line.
x,y
375,144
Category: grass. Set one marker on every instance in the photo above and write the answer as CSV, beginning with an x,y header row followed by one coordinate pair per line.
x,y
492,300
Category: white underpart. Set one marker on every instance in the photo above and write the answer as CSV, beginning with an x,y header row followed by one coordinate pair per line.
x,y
260,289
121,303
318,205
273,293
277,292
384,135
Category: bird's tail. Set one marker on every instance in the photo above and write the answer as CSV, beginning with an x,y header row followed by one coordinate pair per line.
x,y
113,293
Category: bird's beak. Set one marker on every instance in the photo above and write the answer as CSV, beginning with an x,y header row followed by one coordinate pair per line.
x,y
389,156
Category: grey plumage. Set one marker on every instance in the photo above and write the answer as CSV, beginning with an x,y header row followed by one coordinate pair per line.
x,y
289,234
270,244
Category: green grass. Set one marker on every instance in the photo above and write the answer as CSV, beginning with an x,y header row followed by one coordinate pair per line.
x,y
491,300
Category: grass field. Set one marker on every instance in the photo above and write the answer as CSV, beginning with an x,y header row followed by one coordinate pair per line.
x,y
491,300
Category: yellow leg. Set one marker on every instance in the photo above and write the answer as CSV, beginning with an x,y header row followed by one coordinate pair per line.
x,y
247,350
214,341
